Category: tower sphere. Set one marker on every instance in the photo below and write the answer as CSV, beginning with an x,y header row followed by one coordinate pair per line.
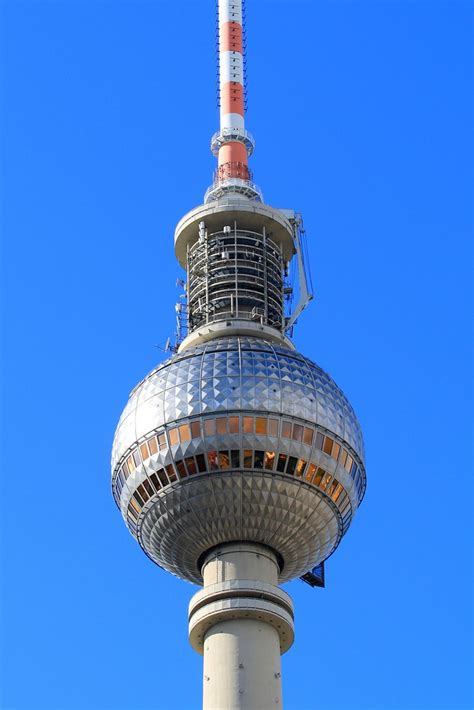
x,y
238,439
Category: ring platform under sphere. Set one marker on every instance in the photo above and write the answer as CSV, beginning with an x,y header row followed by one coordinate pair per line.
x,y
238,439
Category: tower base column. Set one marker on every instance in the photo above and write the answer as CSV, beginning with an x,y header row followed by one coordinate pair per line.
x,y
241,622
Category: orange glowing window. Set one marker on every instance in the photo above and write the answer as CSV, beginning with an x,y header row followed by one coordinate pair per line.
x,y
212,460
152,445
234,427
310,471
195,430
349,462
248,425
297,432
144,451
260,425
286,430
173,435
337,492
328,442
162,442
224,461
308,436
269,460
343,457
184,432
300,467
221,424
335,450
319,475
273,427
210,427
325,480
131,465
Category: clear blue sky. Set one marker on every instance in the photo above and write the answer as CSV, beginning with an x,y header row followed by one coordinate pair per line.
x,y
362,114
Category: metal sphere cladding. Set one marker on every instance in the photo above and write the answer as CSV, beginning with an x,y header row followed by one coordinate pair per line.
x,y
238,439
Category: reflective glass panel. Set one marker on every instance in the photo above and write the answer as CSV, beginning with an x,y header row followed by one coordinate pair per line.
x,y
269,460
184,432
201,462
212,460
281,462
144,451
325,480
248,458
258,462
162,441
181,469
132,513
300,467
310,471
142,492
191,465
224,461
286,430
221,424
297,432
335,450
155,481
318,477
131,464
260,425
153,446
136,458
163,478
337,492
343,458
173,435
195,430
273,427
138,498
234,427
308,436
148,488
292,461
210,427
319,441
135,505
328,442
235,458
248,425
171,472
349,462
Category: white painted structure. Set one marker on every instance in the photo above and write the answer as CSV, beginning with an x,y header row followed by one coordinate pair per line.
x,y
241,622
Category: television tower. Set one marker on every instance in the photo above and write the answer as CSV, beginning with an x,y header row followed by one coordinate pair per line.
x,y
238,463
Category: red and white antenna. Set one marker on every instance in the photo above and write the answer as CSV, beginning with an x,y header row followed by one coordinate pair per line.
x,y
232,144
